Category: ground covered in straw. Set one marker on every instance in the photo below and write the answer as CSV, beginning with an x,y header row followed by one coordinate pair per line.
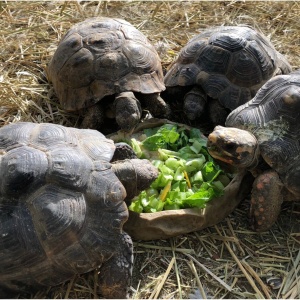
x,y
224,261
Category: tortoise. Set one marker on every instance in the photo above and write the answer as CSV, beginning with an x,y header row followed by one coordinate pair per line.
x,y
263,136
106,68
62,207
219,70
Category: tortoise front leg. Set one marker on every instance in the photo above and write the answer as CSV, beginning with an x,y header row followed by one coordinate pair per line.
x,y
128,110
93,117
266,200
115,274
155,104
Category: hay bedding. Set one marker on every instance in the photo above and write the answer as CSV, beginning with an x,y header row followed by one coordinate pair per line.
x,y
224,261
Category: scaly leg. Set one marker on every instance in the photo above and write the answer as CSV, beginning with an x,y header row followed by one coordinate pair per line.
x,y
155,104
93,117
115,274
266,200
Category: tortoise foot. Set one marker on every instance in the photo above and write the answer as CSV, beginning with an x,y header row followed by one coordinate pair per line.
x,y
115,274
266,200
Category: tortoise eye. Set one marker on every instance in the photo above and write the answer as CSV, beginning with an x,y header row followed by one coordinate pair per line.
x,y
230,146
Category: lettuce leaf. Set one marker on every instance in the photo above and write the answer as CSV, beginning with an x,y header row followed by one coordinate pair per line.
x,y
165,135
184,165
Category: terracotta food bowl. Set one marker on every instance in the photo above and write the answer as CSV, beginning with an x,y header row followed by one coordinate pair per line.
x,y
169,223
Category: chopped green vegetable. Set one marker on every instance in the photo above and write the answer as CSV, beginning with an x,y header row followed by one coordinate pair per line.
x,y
165,135
211,171
188,175
136,148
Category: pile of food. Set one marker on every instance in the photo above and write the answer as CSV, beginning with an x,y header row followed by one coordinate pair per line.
x,y
188,176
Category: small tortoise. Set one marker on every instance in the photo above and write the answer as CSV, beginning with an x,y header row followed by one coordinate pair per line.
x,y
221,69
62,207
107,69
263,136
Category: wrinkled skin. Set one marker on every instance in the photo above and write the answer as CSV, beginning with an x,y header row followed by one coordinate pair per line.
x,y
128,110
135,175
266,200
123,151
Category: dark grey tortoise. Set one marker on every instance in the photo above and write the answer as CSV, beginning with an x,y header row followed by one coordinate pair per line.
x,y
62,207
221,69
106,68
263,136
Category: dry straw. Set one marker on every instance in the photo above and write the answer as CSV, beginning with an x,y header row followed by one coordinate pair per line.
x,y
225,261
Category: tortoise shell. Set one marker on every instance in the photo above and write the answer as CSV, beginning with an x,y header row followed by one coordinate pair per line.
x,y
230,63
273,117
61,205
100,57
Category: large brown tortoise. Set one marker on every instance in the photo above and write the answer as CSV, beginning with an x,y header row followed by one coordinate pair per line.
x,y
263,136
220,69
106,68
62,207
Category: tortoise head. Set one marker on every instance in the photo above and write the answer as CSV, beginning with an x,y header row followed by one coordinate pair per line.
x,y
236,147
136,175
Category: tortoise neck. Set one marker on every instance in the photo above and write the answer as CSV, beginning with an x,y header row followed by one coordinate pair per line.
x,y
256,159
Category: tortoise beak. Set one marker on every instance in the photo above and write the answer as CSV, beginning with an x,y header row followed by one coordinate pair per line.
x,y
211,144
215,152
